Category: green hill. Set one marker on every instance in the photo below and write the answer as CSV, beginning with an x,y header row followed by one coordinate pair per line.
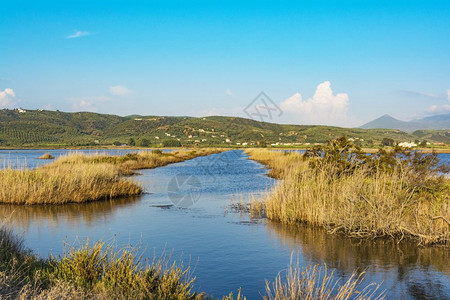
x,y
61,129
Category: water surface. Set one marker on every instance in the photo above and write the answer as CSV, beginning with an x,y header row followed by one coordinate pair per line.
x,y
227,249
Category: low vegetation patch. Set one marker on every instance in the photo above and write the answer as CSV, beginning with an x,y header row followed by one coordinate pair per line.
x,y
392,193
92,271
82,178
103,271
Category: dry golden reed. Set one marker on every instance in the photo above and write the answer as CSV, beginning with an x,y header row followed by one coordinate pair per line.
x,y
315,282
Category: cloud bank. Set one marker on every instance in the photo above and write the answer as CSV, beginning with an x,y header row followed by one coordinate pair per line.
x,y
323,108
7,98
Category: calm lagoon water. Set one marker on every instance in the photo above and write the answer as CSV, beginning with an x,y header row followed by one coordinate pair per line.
x,y
30,158
226,248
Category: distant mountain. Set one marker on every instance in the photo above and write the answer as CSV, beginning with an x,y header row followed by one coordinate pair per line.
x,y
436,122
432,122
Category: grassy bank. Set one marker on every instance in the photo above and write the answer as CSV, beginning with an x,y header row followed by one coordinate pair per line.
x,y
102,271
82,178
92,271
392,194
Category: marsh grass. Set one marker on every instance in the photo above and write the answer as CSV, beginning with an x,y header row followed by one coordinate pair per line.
x,y
135,161
91,271
17,265
58,183
397,201
281,163
102,269
255,207
315,282
83,178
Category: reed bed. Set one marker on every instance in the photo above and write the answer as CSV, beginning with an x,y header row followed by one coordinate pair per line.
x,y
63,183
136,161
363,203
281,163
77,178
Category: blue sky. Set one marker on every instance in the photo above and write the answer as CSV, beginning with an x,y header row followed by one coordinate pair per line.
x,y
322,62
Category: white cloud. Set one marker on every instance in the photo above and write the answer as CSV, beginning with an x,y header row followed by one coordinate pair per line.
x,y
439,109
323,108
78,34
7,98
229,92
120,90
87,103
93,103
48,106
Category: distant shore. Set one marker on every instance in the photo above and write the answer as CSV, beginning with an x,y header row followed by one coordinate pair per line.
x,y
110,147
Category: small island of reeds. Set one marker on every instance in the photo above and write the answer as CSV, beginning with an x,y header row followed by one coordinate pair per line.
x,y
82,178
47,156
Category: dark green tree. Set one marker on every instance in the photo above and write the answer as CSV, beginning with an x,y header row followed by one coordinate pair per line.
x,y
171,143
144,142
387,142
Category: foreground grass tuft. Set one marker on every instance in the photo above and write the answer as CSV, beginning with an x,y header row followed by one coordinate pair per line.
x,y
97,271
316,283
101,269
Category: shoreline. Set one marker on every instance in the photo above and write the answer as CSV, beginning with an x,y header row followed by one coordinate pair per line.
x,y
366,150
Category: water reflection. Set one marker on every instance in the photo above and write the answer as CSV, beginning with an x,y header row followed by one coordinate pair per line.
x,y
406,270
24,216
